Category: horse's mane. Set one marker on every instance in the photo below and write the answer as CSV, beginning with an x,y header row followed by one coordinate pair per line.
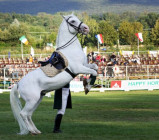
x,y
59,31
61,25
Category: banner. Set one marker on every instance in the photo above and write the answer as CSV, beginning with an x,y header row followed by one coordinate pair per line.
x,y
76,86
116,84
127,53
154,53
32,51
127,85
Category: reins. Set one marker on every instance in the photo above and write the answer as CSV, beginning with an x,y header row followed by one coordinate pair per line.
x,y
72,39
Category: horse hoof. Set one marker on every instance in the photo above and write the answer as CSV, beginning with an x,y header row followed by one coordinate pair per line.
x,y
86,91
38,132
33,133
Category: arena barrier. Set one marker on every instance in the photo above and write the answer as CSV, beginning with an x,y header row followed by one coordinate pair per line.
x,y
107,75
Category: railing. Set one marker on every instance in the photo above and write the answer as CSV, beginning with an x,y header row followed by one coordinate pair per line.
x,y
133,72
46,54
105,74
25,55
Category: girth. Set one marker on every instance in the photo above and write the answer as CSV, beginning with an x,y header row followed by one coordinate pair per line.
x,y
72,74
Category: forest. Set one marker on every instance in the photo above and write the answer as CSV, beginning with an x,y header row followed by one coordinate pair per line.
x,y
42,28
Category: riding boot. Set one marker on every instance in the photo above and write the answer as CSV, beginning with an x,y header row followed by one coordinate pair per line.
x,y
57,123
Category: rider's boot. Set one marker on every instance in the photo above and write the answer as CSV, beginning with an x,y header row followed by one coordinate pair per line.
x,y
57,123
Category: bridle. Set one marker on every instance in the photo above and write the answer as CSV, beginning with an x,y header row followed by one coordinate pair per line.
x,y
72,39
75,27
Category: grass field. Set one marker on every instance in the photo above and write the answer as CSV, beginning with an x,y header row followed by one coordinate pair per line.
x,y
113,115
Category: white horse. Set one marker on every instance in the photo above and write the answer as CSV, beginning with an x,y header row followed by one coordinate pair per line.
x,y
36,82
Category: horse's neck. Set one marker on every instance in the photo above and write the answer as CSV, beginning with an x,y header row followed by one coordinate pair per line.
x,y
65,36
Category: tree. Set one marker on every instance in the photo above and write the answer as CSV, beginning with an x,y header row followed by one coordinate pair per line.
x,y
108,32
5,35
148,20
155,34
93,27
127,32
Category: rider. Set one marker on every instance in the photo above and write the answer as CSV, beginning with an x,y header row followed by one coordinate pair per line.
x,y
62,100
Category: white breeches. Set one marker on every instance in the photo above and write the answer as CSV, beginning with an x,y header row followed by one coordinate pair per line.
x,y
65,93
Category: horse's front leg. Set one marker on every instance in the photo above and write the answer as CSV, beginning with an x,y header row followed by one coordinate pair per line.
x,y
92,66
81,69
88,83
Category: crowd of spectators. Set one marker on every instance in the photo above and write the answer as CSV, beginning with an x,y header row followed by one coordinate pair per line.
x,y
112,64
108,64
13,69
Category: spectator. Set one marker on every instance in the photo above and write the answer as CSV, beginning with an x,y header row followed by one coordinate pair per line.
x,y
15,73
30,59
109,69
98,58
113,57
10,70
116,70
103,59
91,57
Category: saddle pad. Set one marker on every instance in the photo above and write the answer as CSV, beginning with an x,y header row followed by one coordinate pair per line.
x,y
65,59
50,70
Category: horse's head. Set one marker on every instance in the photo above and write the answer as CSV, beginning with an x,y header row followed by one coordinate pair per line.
x,y
75,25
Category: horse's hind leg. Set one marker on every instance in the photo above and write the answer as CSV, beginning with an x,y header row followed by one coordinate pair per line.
x,y
26,113
30,115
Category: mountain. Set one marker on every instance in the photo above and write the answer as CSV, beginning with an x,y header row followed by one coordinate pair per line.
x,y
89,6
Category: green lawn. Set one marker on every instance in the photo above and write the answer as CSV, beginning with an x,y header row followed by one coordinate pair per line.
x,y
113,115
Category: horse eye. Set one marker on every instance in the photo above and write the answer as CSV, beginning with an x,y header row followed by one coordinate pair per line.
x,y
73,21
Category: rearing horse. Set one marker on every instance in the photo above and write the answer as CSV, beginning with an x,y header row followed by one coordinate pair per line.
x,y
34,83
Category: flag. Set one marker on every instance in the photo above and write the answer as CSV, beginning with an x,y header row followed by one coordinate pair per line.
x,y
32,51
139,36
120,52
24,40
50,44
100,38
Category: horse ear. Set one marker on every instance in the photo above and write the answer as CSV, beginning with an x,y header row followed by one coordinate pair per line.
x,y
63,16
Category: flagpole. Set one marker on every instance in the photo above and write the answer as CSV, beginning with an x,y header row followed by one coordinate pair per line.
x,y
22,49
138,46
98,46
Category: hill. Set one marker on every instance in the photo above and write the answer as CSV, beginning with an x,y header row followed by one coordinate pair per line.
x,y
90,6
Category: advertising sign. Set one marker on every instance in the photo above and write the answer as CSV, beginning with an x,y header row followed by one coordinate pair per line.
x,y
140,84
127,85
76,86
116,84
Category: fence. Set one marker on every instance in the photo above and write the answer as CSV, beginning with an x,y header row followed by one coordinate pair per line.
x,y
105,74
46,54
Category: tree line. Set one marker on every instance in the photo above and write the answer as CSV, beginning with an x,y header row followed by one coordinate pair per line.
x,y
43,28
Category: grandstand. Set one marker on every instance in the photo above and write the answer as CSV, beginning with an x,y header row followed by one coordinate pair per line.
x,y
123,67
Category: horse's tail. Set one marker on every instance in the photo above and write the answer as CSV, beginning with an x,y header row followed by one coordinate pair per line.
x,y
16,109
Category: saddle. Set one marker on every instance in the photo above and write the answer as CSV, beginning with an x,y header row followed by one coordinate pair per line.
x,y
55,60
56,64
